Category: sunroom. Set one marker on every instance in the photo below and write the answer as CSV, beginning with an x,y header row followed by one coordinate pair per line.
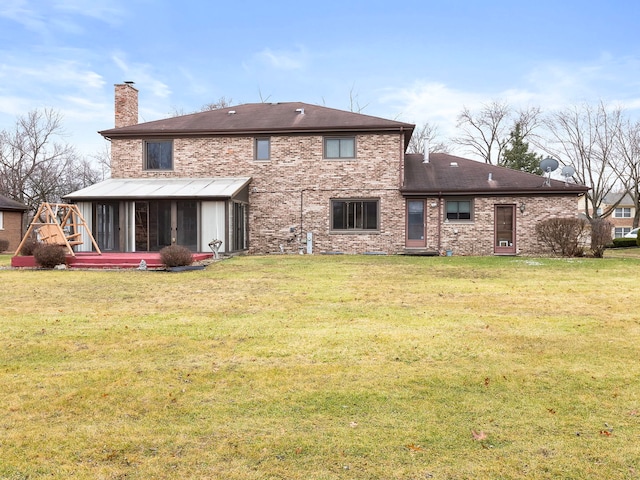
x,y
147,214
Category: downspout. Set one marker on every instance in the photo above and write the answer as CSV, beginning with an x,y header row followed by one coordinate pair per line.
x,y
400,166
439,222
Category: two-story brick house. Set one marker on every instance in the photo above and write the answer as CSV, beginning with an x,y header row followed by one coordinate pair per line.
x,y
290,177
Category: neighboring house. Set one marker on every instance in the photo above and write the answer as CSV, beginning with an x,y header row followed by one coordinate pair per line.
x,y
293,177
11,222
622,215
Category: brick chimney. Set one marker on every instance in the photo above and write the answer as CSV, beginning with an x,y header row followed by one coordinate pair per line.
x,y
126,104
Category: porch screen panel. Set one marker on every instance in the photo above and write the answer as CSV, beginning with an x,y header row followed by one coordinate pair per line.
x,y
85,211
213,225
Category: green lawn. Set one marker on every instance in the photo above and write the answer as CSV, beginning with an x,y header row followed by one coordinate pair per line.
x,y
324,367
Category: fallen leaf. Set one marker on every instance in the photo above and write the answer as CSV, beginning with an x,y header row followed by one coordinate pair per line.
x,y
479,436
415,448
353,424
605,433
486,382
551,410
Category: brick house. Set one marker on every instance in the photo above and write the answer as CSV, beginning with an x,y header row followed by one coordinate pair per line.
x,y
11,221
623,214
293,177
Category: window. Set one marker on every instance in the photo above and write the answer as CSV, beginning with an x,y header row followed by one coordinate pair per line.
x,y
340,147
622,212
263,149
354,215
159,155
1,221
458,209
621,231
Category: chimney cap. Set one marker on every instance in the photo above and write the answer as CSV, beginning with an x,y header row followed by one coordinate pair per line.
x,y
129,82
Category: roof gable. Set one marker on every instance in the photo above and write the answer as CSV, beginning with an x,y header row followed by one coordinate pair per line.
x,y
446,174
265,118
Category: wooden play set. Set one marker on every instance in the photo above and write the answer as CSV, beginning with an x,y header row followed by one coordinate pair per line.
x,y
59,224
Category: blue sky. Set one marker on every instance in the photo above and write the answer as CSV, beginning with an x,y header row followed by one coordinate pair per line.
x,y
414,61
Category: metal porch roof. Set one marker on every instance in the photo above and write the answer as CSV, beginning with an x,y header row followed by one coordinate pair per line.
x,y
136,188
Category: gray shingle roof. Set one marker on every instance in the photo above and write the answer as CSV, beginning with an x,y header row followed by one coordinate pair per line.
x,y
450,175
261,118
8,204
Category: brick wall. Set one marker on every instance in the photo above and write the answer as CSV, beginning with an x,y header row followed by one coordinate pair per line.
x,y
477,237
12,229
294,188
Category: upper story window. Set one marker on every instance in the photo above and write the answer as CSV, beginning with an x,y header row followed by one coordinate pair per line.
x,y
622,212
263,148
158,155
354,215
1,221
340,147
459,209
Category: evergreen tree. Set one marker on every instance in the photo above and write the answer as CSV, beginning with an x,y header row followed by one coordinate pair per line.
x,y
517,155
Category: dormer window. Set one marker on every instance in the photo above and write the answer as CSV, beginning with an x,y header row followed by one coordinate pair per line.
x,y
339,147
158,155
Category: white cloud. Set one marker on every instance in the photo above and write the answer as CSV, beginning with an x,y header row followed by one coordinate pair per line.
x,y
140,73
282,60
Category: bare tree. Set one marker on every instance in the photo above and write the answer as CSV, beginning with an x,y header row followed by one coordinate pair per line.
x,y
222,102
587,138
36,165
103,160
486,133
426,134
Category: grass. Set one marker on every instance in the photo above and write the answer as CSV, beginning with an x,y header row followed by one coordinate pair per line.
x,y
297,367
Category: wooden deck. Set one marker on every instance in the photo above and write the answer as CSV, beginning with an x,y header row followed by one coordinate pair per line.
x,y
107,260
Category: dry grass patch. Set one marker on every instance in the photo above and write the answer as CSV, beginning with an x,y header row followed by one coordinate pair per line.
x,y
323,367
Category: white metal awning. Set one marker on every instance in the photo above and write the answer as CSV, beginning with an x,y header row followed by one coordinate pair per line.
x,y
137,188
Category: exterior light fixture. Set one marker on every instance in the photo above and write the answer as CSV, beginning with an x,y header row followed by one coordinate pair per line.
x,y
522,207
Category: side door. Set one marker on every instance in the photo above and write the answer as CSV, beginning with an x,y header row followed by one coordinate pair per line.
x,y
505,230
416,224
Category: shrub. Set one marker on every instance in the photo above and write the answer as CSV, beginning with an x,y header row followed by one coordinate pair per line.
x,y
176,256
624,242
29,246
562,235
4,245
600,236
48,256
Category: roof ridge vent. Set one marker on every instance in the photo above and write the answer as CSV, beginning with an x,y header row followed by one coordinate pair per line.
x,y
454,164
300,111
231,112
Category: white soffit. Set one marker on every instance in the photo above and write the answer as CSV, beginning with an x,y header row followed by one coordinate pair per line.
x,y
129,188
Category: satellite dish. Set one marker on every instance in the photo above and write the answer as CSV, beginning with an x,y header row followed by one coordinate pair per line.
x,y
567,173
549,164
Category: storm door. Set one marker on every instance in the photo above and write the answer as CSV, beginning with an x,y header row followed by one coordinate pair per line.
x,y
415,224
505,230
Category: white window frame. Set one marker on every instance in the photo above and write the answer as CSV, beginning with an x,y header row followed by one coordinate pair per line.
x,y
622,212
620,232
1,220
